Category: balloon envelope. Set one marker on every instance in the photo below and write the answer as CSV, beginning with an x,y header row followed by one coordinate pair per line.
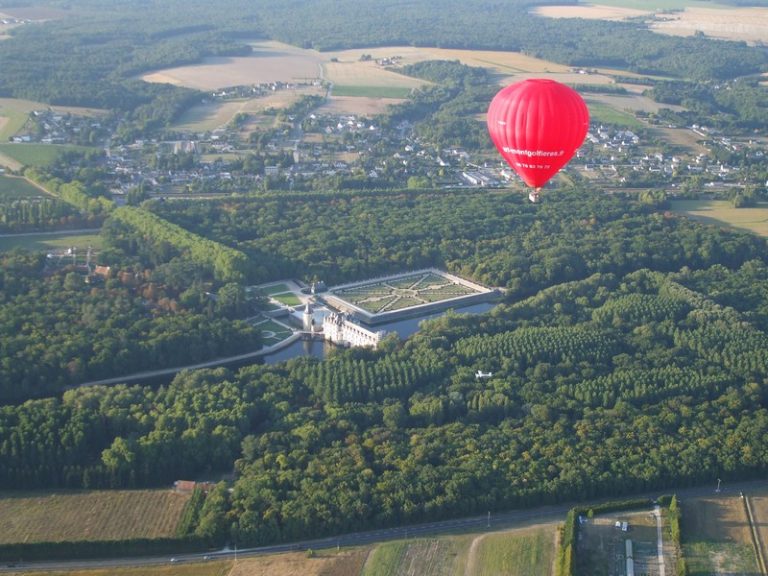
x,y
537,125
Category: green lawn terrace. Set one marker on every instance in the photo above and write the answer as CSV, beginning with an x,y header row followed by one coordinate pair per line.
x,y
407,294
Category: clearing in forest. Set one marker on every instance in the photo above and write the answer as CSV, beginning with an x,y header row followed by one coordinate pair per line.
x,y
91,515
722,213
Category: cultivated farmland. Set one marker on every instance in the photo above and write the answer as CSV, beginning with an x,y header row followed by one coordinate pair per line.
x,y
13,188
269,62
97,515
213,115
676,17
513,553
716,537
425,557
322,563
590,12
759,503
36,154
16,111
201,569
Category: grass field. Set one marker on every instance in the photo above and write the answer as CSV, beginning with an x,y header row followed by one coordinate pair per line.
x,y
371,91
48,242
366,75
206,117
16,111
96,515
323,563
515,554
599,112
716,538
446,556
36,154
275,289
16,188
721,212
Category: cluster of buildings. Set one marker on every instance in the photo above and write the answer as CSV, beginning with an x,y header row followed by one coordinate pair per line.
x,y
323,145
51,127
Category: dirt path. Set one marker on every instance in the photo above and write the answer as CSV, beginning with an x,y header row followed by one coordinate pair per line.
x,y
471,568
556,545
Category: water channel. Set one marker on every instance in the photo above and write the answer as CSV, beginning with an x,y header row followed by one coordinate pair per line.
x,y
404,328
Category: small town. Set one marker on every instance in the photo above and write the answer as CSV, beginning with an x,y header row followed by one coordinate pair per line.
x,y
303,152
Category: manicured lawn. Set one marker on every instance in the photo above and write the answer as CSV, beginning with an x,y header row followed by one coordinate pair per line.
x,y
289,299
275,289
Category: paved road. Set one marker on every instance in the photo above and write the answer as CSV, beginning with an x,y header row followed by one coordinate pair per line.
x,y
512,519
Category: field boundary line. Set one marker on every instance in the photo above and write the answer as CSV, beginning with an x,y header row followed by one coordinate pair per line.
x,y
755,535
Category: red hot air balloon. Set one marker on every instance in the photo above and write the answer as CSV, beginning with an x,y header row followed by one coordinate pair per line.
x,y
537,125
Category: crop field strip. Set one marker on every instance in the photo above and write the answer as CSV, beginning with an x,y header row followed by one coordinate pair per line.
x,y
96,515
201,569
425,557
14,188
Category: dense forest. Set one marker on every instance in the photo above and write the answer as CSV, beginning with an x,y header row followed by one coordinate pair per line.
x,y
630,354
496,236
59,330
